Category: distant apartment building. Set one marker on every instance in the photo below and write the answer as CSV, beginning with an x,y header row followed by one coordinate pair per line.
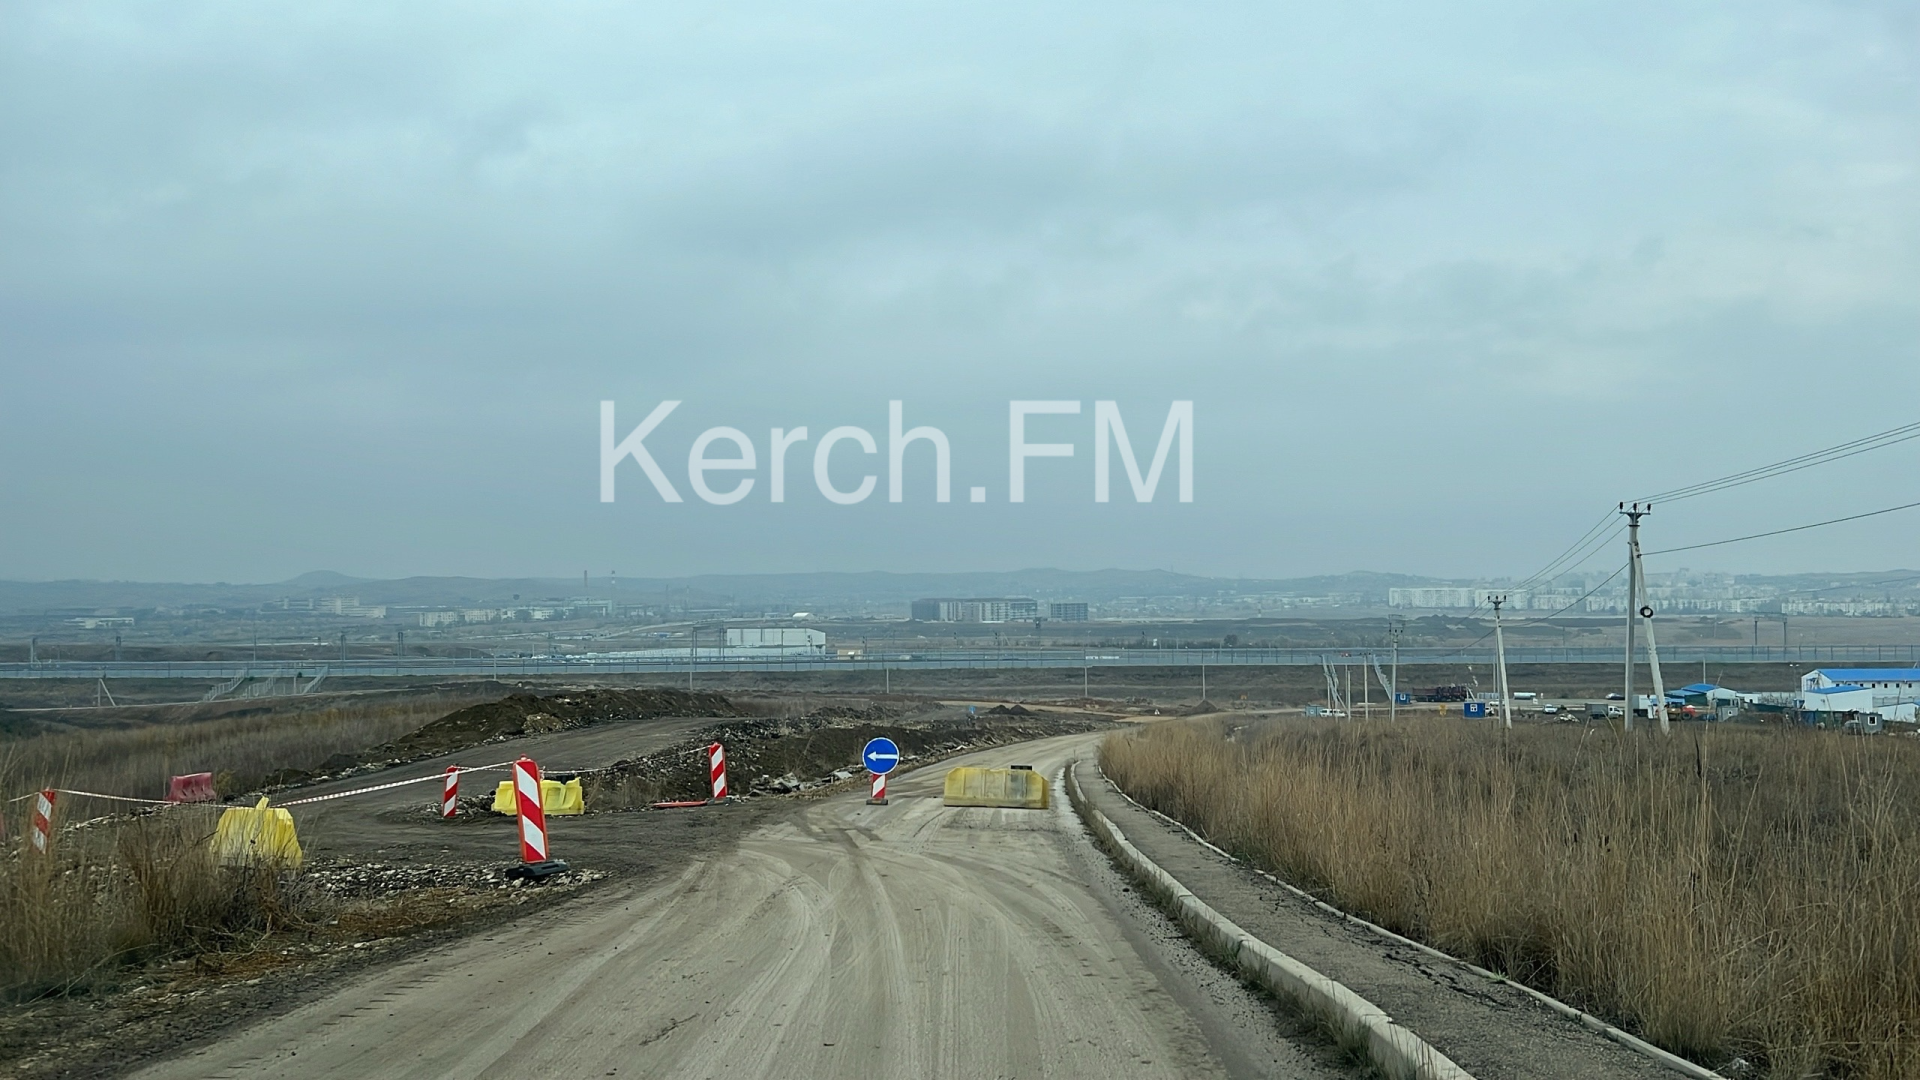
x,y
1067,612
975,609
1446,597
439,618
96,622
345,606
349,607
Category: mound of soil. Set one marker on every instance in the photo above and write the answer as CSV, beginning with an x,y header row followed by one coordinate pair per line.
x,y
780,756
531,714
512,716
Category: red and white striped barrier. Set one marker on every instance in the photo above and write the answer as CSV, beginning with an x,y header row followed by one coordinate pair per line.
x,y
43,821
879,796
717,769
533,816
450,794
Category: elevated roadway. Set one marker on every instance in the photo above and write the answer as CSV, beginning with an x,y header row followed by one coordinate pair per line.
x,y
516,667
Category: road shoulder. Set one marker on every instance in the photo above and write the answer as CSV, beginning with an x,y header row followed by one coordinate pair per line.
x,y
1491,1029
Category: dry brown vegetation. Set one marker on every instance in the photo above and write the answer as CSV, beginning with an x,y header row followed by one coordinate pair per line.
x,y
113,895
243,751
1725,891
117,893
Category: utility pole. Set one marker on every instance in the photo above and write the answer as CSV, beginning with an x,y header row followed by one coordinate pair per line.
x,y
1086,678
33,652
400,636
1394,623
116,648
1203,680
1633,598
1637,605
1500,657
693,653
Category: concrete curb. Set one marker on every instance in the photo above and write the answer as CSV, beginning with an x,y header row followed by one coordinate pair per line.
x,y
1396,1051
1584,1019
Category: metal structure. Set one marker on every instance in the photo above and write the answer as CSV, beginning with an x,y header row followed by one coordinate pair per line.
x,y
720,662
1638,604
1500,660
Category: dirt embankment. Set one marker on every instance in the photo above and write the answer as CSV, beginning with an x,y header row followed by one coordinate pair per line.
x,y
515,715
797,754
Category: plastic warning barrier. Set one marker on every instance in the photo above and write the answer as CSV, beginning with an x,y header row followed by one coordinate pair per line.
x,y
193,787
258,835
555,798
1014,789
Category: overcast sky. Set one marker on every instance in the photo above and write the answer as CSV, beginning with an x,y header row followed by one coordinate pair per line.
x,y
286,287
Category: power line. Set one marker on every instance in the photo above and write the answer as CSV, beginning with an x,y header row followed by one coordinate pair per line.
x,y
1543,619
1779,532
1844,450
1548,570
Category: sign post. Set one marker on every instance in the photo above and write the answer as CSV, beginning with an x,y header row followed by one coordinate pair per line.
x,y
881,756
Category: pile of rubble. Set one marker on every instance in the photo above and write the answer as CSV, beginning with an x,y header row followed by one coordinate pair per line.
x,y
358,880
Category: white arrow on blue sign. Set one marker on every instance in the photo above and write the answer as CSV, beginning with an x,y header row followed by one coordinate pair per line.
x,y
881,756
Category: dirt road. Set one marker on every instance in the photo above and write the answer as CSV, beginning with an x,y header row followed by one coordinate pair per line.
x,y
909,940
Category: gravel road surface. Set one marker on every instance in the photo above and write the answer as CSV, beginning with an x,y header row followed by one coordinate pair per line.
x,y
840,939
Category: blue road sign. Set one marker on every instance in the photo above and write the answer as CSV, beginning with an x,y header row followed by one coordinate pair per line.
x,y
1403,698
1474,710
881,756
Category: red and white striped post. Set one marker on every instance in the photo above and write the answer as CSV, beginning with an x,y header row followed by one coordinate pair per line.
x,y
879,796
450,794
717,770
533,816
43,821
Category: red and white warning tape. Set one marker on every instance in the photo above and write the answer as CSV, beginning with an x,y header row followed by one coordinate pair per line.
x,y
390,785
716,758
91,795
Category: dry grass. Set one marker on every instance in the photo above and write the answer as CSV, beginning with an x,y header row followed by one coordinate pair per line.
x,y
119,892
243,751
1724,891
114,895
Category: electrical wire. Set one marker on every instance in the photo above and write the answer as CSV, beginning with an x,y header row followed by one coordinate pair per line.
x,y
1543,619
1781,532
1550,569
1890,437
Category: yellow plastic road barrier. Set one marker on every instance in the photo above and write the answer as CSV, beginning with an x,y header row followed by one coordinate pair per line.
x,y
1016,789
555,798
258,835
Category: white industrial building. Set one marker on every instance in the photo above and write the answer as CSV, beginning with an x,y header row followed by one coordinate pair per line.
x,y
1889,692
780,638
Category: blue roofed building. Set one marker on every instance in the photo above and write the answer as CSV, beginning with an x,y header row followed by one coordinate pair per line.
x,y
1889,692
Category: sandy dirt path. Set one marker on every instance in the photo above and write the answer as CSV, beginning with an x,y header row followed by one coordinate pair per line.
x,y
909,940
